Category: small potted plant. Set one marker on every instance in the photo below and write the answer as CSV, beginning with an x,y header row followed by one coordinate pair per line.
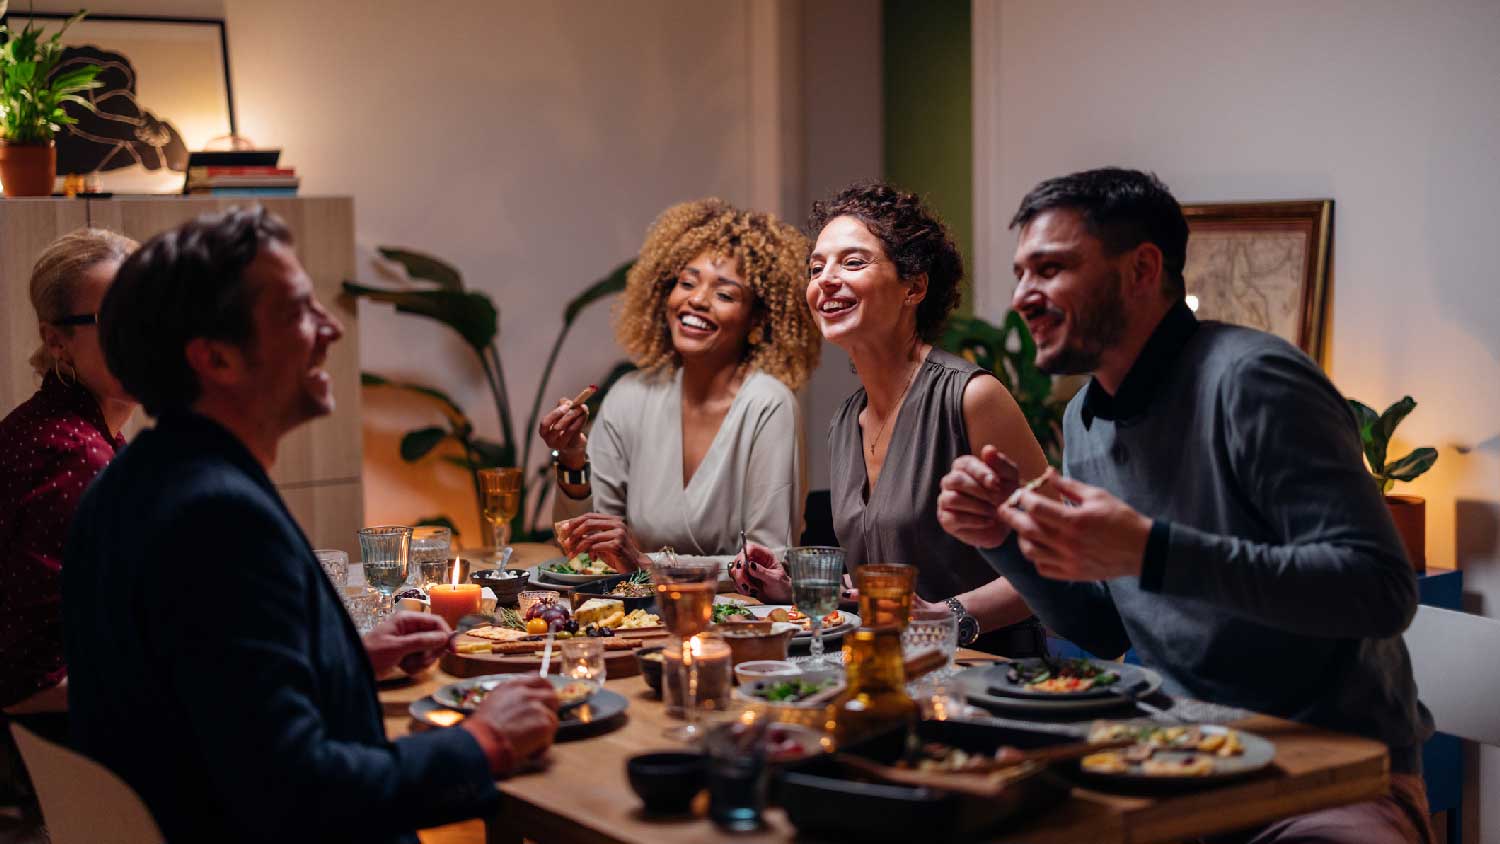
x,y
31,105
1408,511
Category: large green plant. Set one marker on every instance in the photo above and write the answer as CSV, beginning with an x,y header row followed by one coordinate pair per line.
x,y
1375,430
31,93
474,317
1009,352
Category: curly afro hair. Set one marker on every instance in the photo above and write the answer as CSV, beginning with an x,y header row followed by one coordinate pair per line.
x,y
770,255
914,238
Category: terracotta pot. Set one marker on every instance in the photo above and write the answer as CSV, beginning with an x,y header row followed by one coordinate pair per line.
x,y
28,169
1410,514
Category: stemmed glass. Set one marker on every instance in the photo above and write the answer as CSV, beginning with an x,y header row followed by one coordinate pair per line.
x,y
685,595
817,574
386,550
502,500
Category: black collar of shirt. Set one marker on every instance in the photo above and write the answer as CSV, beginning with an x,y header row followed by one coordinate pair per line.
x,y
1150,367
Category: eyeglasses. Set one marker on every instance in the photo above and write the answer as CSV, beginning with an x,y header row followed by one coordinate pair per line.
x,y
77,319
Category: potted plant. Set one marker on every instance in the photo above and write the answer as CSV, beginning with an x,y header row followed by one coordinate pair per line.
x,y
1009,352
32,95
1408,511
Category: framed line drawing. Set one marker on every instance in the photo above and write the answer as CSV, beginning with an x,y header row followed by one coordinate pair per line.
x,y
1265,265
166,92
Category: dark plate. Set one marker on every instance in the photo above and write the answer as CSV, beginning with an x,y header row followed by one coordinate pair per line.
x,y
600,589
821,800
604,712
1130,676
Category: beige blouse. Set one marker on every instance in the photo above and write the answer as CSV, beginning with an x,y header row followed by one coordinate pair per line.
x,y
754,476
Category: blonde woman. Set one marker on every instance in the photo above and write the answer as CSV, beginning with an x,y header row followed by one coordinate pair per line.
x,y
51,447
706,439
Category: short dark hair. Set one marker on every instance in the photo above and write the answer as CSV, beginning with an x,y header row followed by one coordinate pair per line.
x,y
1123,208
914,238
184,283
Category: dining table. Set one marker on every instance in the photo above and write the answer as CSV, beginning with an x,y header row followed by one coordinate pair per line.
x,y
579,793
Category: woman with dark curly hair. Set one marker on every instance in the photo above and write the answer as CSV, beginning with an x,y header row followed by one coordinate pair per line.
x,y
882,279
705,440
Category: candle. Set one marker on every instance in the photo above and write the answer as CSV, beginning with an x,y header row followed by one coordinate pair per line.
x,y
712,656
453,601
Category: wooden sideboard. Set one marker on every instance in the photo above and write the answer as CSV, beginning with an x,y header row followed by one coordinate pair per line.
x,y
318,467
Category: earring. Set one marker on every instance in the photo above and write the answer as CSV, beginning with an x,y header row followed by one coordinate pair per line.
x,y
755,336
71,379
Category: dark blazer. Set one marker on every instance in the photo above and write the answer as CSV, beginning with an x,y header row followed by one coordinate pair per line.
x,y
214,669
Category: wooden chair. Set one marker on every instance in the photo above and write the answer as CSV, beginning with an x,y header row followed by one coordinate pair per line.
x,y
80,797
1455,657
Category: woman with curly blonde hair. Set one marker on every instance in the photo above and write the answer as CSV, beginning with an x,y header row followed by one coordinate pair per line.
x,y
705,440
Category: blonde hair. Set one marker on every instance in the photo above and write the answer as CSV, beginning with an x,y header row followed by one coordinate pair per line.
x,y
771,256
54,279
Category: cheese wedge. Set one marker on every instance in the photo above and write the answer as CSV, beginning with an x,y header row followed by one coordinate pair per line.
x,y
595,610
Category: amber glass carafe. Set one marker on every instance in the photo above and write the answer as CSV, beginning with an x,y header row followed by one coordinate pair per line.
x,y
875,700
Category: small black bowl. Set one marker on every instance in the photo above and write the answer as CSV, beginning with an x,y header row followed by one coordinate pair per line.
x,y
650,668
667,782
506,585
600,589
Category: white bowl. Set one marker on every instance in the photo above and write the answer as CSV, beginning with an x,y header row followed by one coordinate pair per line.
x,y
760,669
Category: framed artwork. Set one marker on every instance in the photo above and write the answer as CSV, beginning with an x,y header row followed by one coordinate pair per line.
x,y
1264,265
165,93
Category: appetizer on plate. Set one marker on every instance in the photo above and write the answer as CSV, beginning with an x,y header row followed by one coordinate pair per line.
x,y
731,612
1162,751
791,690
580,564
1071,676
790,614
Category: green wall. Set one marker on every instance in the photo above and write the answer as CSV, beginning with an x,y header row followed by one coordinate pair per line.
x,y
927,55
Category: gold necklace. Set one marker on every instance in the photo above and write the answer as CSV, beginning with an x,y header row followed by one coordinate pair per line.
x,y
897,412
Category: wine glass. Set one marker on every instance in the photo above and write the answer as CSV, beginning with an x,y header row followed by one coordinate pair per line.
x,y
386,550
817,575
685,595
502,500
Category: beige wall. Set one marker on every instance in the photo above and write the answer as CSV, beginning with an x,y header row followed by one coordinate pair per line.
x,y
1391,108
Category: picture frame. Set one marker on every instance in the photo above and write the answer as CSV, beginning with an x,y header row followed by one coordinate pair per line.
x,y
166,92
1266,265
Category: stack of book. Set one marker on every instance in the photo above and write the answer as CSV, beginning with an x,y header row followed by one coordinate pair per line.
x,y
242,180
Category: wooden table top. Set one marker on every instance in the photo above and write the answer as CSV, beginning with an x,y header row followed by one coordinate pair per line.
x,y
583,797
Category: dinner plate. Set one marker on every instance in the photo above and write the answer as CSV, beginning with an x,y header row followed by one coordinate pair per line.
x,y
544,575
1129,677
977,684
1259,753
602,713
850,620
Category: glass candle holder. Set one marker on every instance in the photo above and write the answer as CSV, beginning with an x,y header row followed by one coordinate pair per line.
x,y
431,555
335,564
583,659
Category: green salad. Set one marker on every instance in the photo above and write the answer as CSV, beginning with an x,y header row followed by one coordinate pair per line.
x,y
580,564
731,612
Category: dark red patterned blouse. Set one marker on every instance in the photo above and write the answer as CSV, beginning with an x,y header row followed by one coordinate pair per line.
x,y
51,447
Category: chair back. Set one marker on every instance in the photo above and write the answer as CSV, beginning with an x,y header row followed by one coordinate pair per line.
x,y
1456,659
81,798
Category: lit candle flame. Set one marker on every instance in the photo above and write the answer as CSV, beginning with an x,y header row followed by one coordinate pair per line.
x,y
455,572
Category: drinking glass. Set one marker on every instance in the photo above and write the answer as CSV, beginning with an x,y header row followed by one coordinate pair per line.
x,y
685,595
502,500
363,604
817,574
583,659
738,772
885,592
386,550
431,553
931,629
335,564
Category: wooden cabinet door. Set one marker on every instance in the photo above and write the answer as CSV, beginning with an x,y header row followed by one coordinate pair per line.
x,y
27,226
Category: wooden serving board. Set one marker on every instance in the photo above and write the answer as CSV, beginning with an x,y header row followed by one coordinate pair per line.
x,y
616,664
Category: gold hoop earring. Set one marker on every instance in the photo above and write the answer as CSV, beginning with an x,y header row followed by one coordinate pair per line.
x,y
71,379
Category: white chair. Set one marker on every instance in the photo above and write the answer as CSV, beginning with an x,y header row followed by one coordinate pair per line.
x,y
1456,659
80,798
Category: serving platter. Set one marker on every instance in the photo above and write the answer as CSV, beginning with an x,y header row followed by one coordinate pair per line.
x,y
1258,753
985,685
848,621
540,574
617,663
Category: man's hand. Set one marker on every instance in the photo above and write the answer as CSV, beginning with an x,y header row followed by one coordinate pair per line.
x,y
1098,538
973,492
761,575
515,722
413,640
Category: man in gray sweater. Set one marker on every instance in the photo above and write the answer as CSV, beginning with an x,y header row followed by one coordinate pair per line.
x,y
1215,513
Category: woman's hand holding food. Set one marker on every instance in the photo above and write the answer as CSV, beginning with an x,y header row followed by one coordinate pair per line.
x,y
562,429
602,537
760,575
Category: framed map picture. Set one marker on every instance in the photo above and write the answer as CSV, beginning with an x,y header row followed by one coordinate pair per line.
x,y
165,92
1264,265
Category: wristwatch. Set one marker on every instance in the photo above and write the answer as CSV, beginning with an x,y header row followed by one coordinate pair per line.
x,y
572,477
968,626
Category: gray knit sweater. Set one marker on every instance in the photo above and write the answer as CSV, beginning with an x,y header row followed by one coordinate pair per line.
x,y
1275,580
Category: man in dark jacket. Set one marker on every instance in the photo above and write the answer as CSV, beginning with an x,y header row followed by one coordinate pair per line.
x,y
1221,521
211,664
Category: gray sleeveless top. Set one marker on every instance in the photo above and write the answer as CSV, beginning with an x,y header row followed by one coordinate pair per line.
x,y
898,524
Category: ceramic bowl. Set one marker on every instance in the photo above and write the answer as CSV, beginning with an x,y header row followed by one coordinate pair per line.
x,y
667,782
651,662
760,669
751,641
505,584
